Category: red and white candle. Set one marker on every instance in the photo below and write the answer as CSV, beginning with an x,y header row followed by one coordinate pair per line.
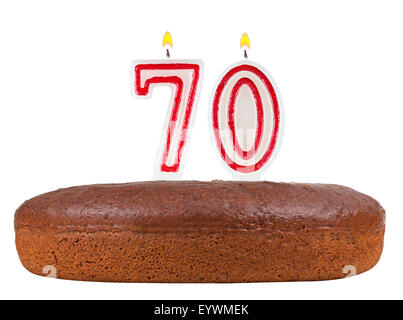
x,y
246,119
184,78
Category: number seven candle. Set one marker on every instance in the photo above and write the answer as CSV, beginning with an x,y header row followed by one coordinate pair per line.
x,y
184,78
246,117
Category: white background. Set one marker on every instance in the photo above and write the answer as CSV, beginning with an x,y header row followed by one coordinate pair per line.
x,y
67,116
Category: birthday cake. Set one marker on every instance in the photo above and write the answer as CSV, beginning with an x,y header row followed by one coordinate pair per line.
x,y
192,231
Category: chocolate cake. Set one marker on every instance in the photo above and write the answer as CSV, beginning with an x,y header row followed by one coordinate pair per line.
x,y
191,231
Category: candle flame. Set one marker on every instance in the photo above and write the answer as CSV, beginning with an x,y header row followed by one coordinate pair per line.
x,y
167,40
245,41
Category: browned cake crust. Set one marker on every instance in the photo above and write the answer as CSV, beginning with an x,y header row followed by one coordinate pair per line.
x,y
191,231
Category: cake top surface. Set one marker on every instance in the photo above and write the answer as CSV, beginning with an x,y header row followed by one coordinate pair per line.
x,y
161,206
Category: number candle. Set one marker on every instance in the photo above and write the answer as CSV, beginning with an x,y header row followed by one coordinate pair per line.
x,y
184,78
246,117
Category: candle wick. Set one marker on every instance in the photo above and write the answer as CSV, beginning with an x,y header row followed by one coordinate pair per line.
x,y
168,54
245,54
